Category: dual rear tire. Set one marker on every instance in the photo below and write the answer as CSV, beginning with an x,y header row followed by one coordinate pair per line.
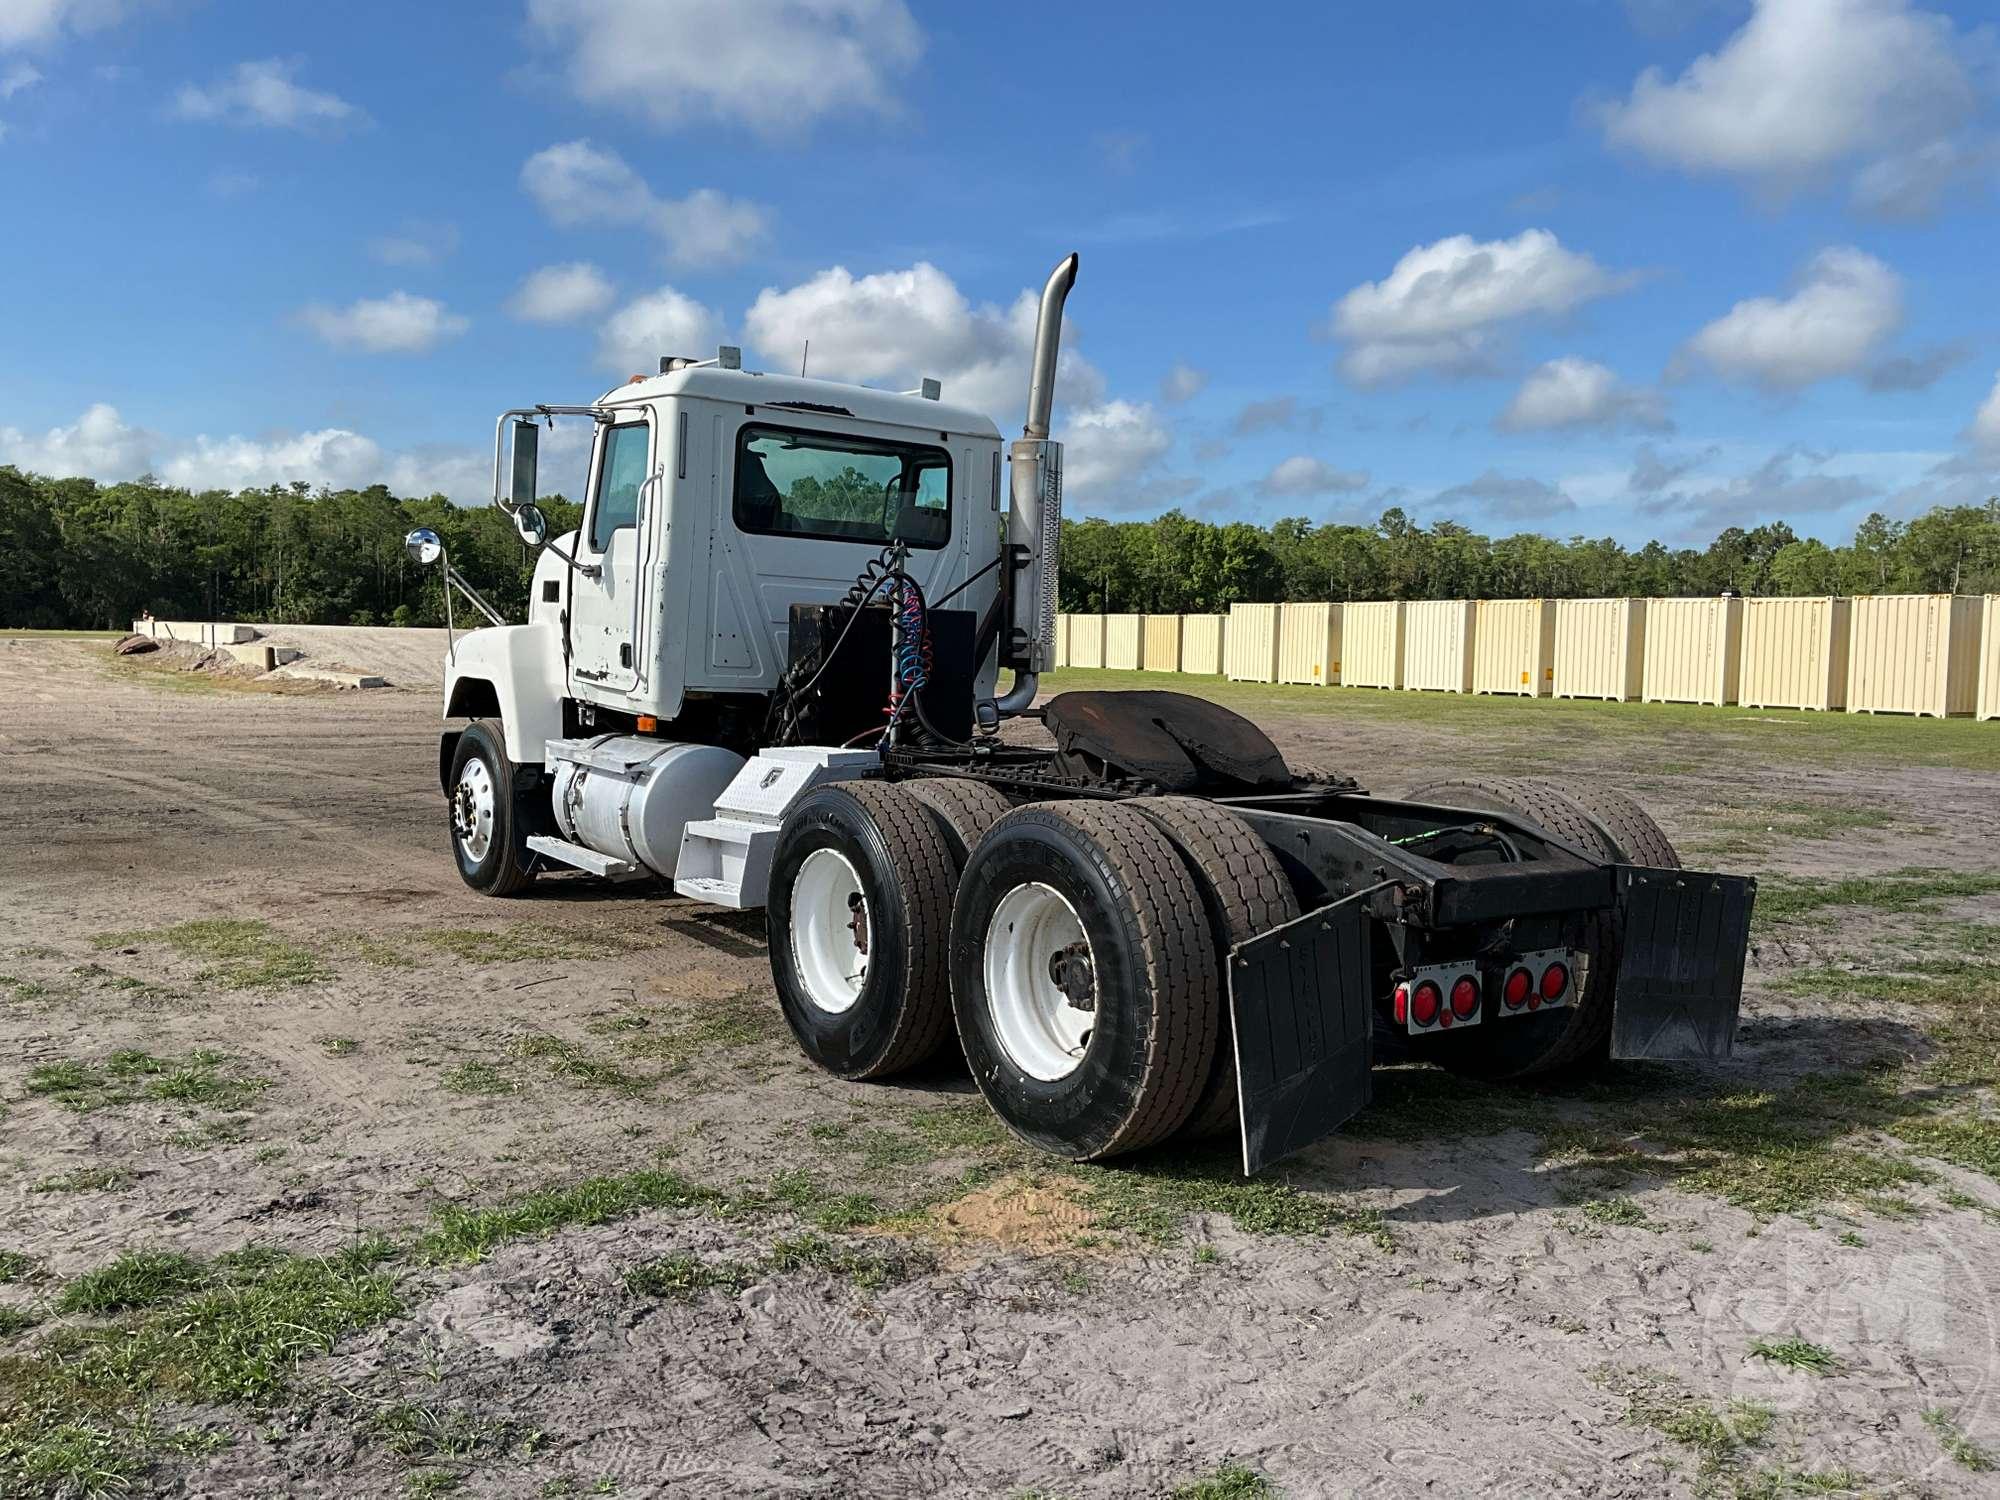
x,y
1075,947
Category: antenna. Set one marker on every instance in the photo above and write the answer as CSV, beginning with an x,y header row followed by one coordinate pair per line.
x,y
802,358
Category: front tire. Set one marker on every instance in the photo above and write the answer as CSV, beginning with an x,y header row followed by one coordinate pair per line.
x,y
1085,979
489,826
858,919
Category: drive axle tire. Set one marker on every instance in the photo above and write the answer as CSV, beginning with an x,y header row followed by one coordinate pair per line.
x,y
1085,981
1575,1040
489,825
1246,893
858,918
962,810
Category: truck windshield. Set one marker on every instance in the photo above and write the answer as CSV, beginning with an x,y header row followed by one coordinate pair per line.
x,y
841,487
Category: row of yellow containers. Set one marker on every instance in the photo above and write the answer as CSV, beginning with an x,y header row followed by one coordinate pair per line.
x,y
1935,654
1149,643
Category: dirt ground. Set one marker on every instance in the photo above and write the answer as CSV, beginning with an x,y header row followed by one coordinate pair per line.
x,y
634,1245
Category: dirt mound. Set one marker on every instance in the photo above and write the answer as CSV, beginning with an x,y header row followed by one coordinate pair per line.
x,y
1031,1216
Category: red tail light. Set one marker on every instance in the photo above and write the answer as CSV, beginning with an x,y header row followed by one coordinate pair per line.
x,y
1425,1003
1464,997
1402,1003
1555,981
1520,984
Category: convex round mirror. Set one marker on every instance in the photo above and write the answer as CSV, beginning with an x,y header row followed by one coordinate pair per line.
x,y
424,546
531,524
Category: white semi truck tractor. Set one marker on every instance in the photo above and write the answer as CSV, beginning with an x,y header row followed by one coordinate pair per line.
x,y
766,671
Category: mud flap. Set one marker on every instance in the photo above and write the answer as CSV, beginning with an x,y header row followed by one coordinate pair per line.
x,y
1680,977
1298,996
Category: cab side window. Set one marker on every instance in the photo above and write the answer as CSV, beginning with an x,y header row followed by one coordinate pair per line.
x,y
620,473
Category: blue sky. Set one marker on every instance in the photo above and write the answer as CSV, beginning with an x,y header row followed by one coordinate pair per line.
x,y
1611,267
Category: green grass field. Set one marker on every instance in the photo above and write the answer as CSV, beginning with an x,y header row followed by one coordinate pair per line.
x,y
1776,733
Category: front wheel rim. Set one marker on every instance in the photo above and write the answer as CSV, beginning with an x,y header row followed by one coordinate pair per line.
x,y
830,931
1034,946
472,806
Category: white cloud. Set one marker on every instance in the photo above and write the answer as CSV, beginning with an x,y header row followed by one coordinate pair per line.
x,y
1777,489
418,244
1515,499
1107,449
1847,303
1918,372
1302,476
1986,421
774,66
1182,383
30,23
1446,306
20,76
634,338
232,184
101,445
576,183
396,324
1572,392
1276,413
561,294
332,456
707,228
1808,88
895,327
263,93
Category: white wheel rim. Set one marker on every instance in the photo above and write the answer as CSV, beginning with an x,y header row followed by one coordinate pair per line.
x,y
1033,929
831,931
472,810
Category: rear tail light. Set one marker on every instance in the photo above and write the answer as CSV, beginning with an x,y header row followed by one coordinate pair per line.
x,y
1555,981
1465,997
1519,987
1439,997
1425,1003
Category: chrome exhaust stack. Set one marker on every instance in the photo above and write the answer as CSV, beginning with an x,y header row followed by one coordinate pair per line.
x,y
1034,514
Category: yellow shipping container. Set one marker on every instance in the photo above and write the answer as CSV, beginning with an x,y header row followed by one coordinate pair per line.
x,y
1794,653
1309,643
1163,643
1600,648
1086,640
1693,650
1437,645
1514,647
1253,643
1989,660
1914,654
1059,647
1125,642
1201,643
1371,645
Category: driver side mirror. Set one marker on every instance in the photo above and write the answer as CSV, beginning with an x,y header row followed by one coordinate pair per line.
x,y
527,447
532,525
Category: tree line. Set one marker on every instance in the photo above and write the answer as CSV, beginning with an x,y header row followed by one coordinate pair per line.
x,y
1179,565
78,554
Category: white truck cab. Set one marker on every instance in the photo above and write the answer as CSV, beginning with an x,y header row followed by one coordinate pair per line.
x,y
716,499
720,504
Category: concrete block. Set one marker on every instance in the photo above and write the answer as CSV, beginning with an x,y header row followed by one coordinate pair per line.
x,y
338,679
263,658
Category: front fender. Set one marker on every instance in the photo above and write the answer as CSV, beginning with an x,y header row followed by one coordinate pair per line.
x,y
512,673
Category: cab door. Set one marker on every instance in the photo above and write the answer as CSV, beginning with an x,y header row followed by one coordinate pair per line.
x,y
607,606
